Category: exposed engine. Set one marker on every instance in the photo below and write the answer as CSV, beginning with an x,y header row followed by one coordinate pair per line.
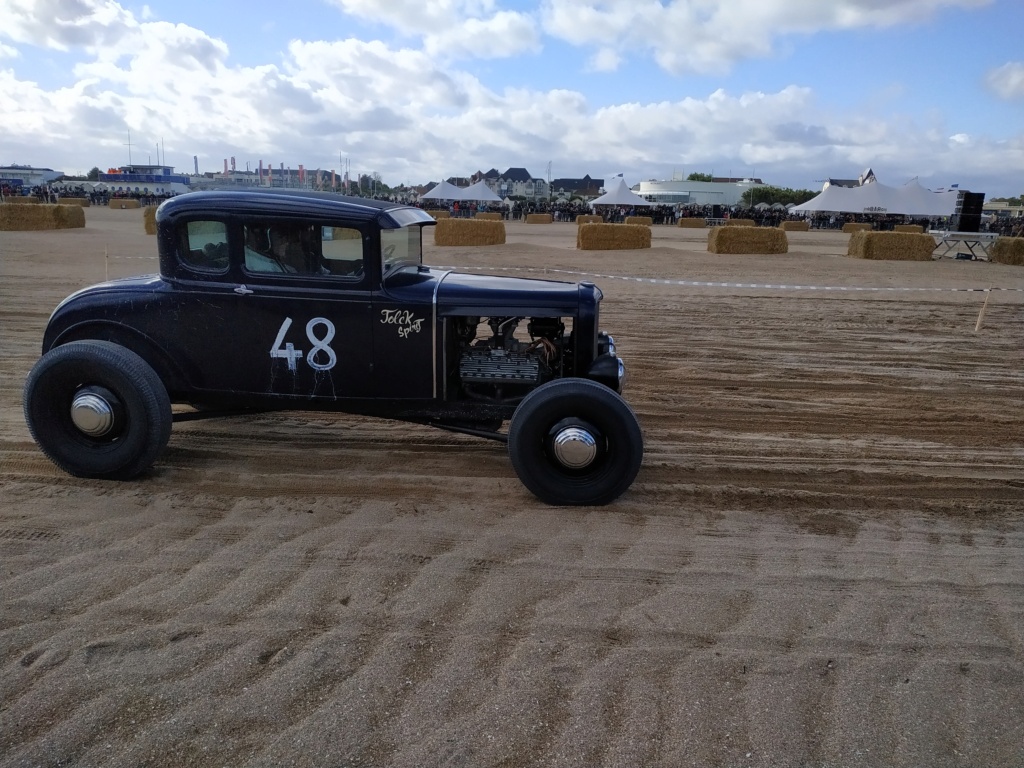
x,y
502,368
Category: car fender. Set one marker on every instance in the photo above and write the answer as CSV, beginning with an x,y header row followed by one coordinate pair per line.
x,y
174,377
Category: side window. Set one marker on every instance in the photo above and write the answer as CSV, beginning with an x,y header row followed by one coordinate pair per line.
x,y
282,247
342,249
204,245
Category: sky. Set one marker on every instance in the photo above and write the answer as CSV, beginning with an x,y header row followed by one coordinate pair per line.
x,y
788,91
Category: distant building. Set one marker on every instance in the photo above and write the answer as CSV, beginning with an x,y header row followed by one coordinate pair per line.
x,y
27,176
724,191
514,182
1003,210
585,188
865,178
146,179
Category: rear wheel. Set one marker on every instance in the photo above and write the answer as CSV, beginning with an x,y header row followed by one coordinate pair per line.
x,y
575,442
97,409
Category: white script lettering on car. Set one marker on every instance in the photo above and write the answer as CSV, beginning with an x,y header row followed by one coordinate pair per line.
x,y
404,319
320,345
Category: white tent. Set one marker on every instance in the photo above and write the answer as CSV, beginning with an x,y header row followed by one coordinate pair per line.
x,y
909,200
479,192
443,191
620,195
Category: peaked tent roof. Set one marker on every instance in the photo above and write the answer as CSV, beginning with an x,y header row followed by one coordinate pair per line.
x,y
910,200
443,191
479,192
620,195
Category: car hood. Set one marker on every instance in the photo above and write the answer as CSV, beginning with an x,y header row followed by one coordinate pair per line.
x,y
460,294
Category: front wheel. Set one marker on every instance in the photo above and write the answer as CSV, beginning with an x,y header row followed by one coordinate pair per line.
x,y
575,442
97,409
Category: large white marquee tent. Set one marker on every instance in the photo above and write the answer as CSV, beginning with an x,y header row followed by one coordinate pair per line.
x,y
909,200
620,195
478,192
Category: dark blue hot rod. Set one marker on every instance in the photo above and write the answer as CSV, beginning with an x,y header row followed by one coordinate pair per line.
x,y
297,300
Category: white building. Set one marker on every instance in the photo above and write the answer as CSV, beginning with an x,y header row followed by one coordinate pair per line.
x,y
27,176
720,191
146,179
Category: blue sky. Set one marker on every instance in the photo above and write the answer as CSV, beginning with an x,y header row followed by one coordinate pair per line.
x,y
791,91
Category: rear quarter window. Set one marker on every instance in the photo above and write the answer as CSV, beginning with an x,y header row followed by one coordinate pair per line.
x,y
203,245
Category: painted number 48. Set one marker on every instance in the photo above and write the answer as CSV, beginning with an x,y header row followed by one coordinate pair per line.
x,y
321,345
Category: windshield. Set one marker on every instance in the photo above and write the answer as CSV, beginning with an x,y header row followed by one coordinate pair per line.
x,y
401,247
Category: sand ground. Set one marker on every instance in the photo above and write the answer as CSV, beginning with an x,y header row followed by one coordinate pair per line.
x,y
820,563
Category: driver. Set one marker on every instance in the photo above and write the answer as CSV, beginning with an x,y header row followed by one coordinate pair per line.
x,y
286,246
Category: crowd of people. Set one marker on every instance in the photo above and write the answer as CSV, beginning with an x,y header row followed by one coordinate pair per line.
x,y
52,193
568,211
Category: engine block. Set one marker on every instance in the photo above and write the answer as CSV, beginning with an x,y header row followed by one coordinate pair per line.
x,y
498,366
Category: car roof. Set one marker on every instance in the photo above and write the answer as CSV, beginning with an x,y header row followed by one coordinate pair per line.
x,y
291,203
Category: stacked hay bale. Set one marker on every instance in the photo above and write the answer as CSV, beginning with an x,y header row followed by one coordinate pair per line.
x,y
539,218
643,221
123,202
440,214
612,237
20,218
589,218
740,223
916,229
81,202
469,232
747,240
692,223
1008,250
489,216
149,219
795,226
891,246
852,226
21,200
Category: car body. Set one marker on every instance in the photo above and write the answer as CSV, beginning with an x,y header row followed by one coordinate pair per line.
x,y
271,300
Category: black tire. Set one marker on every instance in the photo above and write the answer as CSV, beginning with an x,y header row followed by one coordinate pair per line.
x,y
140,409
578,404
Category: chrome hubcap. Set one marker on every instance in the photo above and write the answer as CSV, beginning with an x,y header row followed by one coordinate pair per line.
x,y
575,447
92,414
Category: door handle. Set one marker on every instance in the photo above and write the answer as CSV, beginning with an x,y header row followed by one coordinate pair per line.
x,y
242,290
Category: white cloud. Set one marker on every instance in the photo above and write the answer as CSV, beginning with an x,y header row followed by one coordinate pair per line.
x,y
454,28
414,117
66,24
1007,81
707,37
7,52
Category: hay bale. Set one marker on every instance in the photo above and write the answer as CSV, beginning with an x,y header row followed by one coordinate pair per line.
x,y
589,218
489,216
469,232
740,223
123,202
1008,250
852,226
747,240
81,202
891,246
539,218
916,229
345,233
440,214
149,219
643,221
692,223
795,226
612,237
22,218
21,200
